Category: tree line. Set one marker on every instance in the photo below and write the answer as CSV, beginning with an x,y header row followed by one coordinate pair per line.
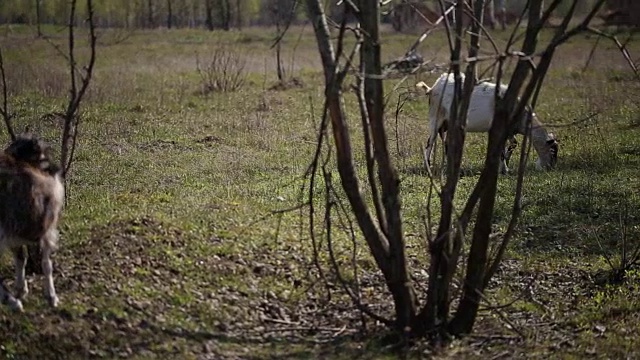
x,y
211,14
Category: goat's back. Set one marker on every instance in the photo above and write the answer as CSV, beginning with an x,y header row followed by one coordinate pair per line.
x,y
30,201
481,106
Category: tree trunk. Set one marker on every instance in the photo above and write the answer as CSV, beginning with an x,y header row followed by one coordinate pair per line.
x,y
208,9
150,19
397,278
239,19
444,250
474,283
225,15
377,240
169,15
279,67
38,19
490,14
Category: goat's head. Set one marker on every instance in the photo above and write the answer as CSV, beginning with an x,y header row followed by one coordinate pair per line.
x,y
423,86
29,149
548,157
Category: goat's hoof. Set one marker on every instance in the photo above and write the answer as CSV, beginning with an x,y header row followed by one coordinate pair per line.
x,y
15,304
53,301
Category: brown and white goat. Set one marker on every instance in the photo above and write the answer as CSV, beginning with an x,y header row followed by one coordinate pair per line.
x,y
31,200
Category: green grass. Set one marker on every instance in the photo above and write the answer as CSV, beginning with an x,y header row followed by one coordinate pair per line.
x,y
166,250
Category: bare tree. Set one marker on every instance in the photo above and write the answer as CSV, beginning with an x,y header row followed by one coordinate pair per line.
x,y
6,113
79,83
169,15
38,17
239,15
150,15
208,9
378,215
282,12
225,14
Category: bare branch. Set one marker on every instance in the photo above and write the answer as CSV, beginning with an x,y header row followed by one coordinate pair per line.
x,y
71,115
591,53
623,48
329,203
6,114
311,172
366,130
281,35
425,34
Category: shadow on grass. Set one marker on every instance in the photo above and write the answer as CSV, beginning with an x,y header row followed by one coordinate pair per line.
x,y
578,217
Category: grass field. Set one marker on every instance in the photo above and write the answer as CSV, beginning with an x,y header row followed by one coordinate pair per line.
x,y
167,251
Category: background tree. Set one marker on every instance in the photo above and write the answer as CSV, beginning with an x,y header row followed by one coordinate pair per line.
x,y
38,17
224,12
209,14
169,15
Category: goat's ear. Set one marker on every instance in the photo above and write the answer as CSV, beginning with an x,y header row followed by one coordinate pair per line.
x,y
18,148
551,138
26,135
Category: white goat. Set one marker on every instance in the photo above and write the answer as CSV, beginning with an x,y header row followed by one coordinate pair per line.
x,y
31,198
480,118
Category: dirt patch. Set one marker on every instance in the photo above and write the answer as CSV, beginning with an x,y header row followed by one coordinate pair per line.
x,y
141,287
293,83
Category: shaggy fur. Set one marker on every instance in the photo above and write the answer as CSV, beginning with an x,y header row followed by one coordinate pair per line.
x,y
31,199
29,149
480,118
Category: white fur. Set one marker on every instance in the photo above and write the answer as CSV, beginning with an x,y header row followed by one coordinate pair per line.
x,y
479,116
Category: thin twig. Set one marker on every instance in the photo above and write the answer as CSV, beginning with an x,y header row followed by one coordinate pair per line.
x,y
623,48
281,35
71,115
311,172
4,111
329,203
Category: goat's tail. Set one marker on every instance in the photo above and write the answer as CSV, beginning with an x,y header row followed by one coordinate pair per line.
x,y
423,85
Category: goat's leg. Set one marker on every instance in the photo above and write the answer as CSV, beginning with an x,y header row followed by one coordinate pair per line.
x,y
428,150
445,144
7,298
510,147
504,162
47,270
512,144
5,294
504,168
20,262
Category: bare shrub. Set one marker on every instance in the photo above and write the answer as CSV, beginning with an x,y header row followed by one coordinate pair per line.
x,y
628,252
223,72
